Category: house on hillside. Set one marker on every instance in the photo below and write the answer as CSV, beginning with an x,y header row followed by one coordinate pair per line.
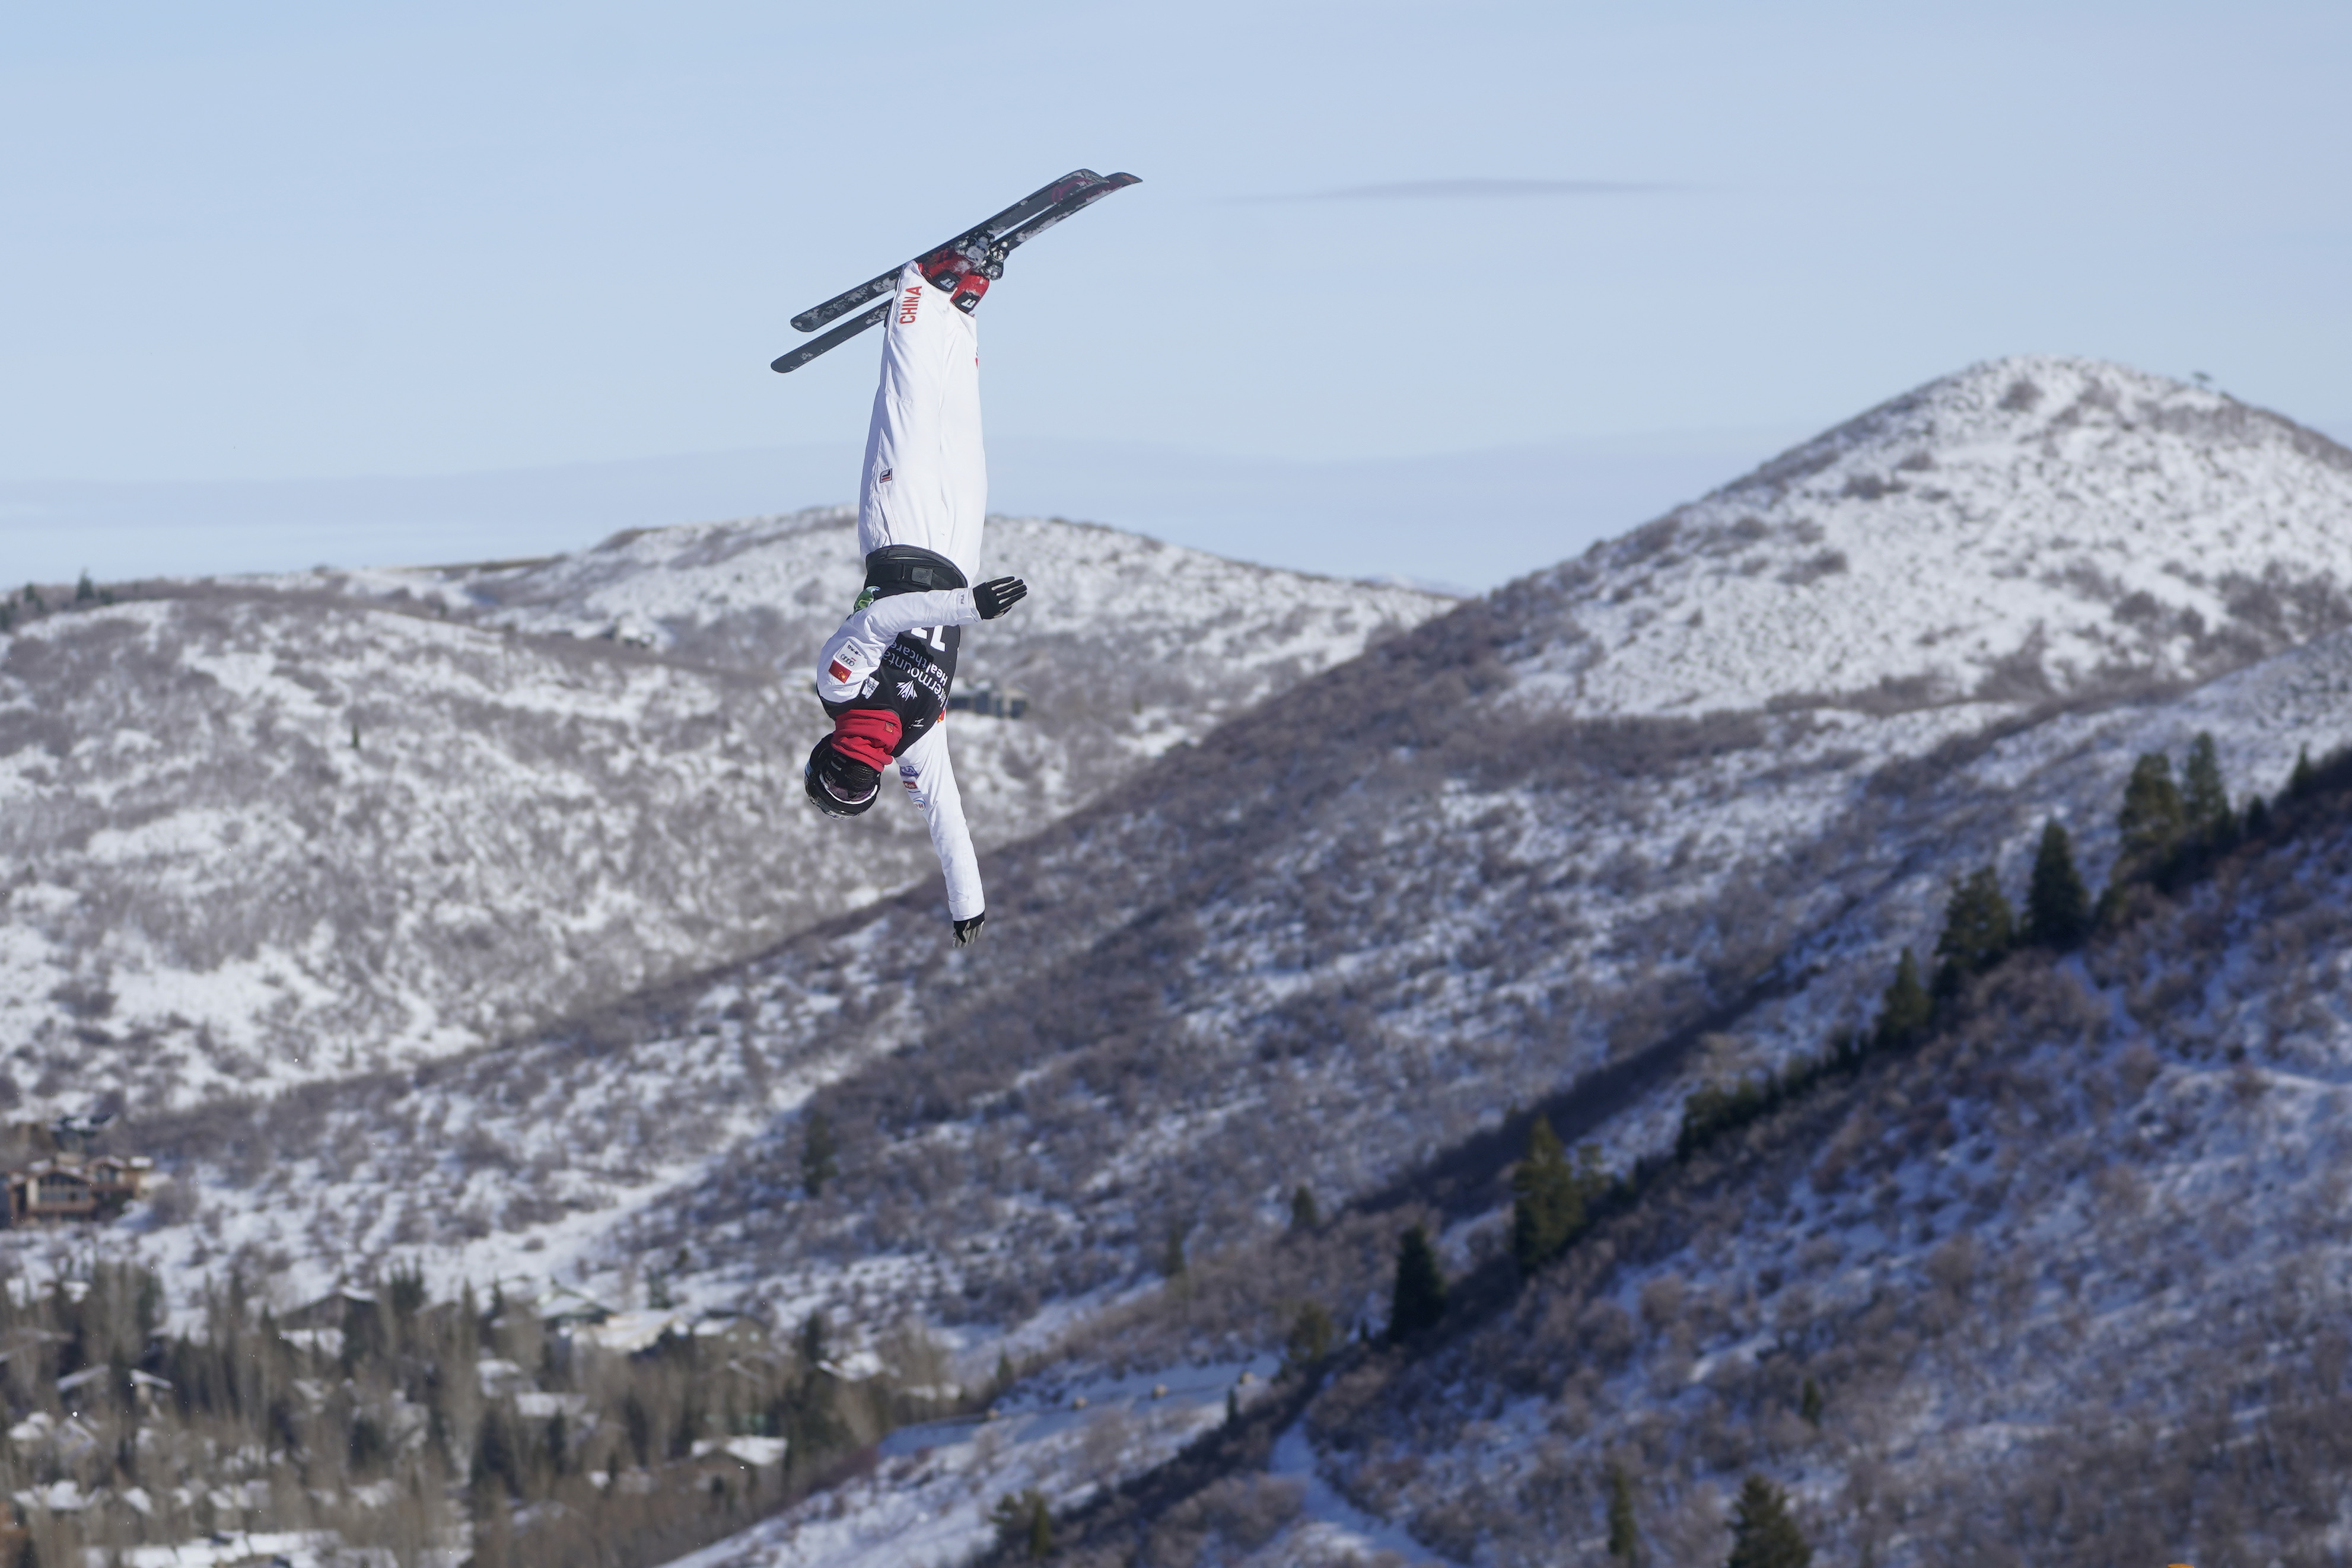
x,y
564,1309
331,1310
73,1186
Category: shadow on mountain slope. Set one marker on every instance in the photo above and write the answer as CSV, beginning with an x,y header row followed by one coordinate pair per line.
x,y
2063,1279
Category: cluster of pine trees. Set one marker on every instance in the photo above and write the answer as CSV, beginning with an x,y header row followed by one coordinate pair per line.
x,y
2172,832
400,1426
30,602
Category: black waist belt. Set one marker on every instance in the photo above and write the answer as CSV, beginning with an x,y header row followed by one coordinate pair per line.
x,y
904,569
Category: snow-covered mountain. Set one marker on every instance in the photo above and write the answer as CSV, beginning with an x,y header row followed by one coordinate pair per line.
x,y
2032,527
1345,931
255,832
1664,812
2068,1284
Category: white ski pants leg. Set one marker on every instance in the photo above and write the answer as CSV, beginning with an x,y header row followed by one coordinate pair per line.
x,y
926,479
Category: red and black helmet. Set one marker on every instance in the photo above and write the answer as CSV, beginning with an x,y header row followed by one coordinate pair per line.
x,y
840,784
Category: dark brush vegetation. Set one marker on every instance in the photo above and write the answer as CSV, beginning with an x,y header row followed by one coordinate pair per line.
x,y
2171,839
1855,1108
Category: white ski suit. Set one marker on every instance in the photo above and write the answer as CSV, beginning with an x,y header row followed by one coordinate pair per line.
x,y
926,485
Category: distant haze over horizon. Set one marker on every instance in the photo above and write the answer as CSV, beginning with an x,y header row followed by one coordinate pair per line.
x,y
1463,522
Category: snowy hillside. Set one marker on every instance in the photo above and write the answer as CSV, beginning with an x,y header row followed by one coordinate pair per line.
x,y
1666,811
2070,1283
1196,1070
257,833
2030,527
1199,637
1346,931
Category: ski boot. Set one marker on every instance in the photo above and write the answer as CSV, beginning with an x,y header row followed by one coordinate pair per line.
x,y
963,270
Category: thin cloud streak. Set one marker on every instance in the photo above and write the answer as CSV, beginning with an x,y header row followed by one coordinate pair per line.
x,y
1472,188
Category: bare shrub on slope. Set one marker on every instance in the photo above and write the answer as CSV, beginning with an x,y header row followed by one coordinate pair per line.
x,y
297,827
2063,1276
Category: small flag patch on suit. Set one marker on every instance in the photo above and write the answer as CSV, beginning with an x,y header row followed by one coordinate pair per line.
x,y
885,477
838,670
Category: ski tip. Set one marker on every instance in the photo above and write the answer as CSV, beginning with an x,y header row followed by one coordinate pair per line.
x,y
785,364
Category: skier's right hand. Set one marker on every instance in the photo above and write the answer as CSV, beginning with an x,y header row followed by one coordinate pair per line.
x,y
967,932
995,597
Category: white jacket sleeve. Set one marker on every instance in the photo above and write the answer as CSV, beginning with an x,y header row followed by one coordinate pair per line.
x,y
929,777
851,654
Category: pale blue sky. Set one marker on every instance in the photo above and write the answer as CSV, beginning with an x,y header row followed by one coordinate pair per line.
x,y
276,242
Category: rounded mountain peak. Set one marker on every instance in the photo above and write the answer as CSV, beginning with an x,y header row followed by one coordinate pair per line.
x,y
2028,528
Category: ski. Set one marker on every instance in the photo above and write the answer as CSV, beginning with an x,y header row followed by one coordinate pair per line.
x,y
1020,212
788,362
1000,236
1076,203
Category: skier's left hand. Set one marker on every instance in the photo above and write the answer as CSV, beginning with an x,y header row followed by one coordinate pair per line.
x,y
967,932
995,597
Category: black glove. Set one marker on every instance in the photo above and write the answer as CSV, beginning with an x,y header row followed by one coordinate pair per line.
x,y
967,931
995,597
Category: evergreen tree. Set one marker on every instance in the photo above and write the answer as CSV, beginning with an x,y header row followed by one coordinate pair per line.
x,y
85,591
2204,798
1552,1196
1809,1403
1905,1010
637,1422
2057,905
1762,1534
405,1292
1041,1528
495,1455
2258,810
1304,1215
2152,817
1591,1179
1312,1335
818,1152
1624,1530
2299,783
1546,1208
1977,930
1418,1301
1171,1252
1024,1524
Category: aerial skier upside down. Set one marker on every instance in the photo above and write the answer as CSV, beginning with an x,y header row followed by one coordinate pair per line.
x,y
884,677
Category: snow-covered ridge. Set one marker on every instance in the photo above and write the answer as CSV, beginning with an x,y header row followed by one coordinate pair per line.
x,y
1348,928
1329,918
767,591
259,831
2028,526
